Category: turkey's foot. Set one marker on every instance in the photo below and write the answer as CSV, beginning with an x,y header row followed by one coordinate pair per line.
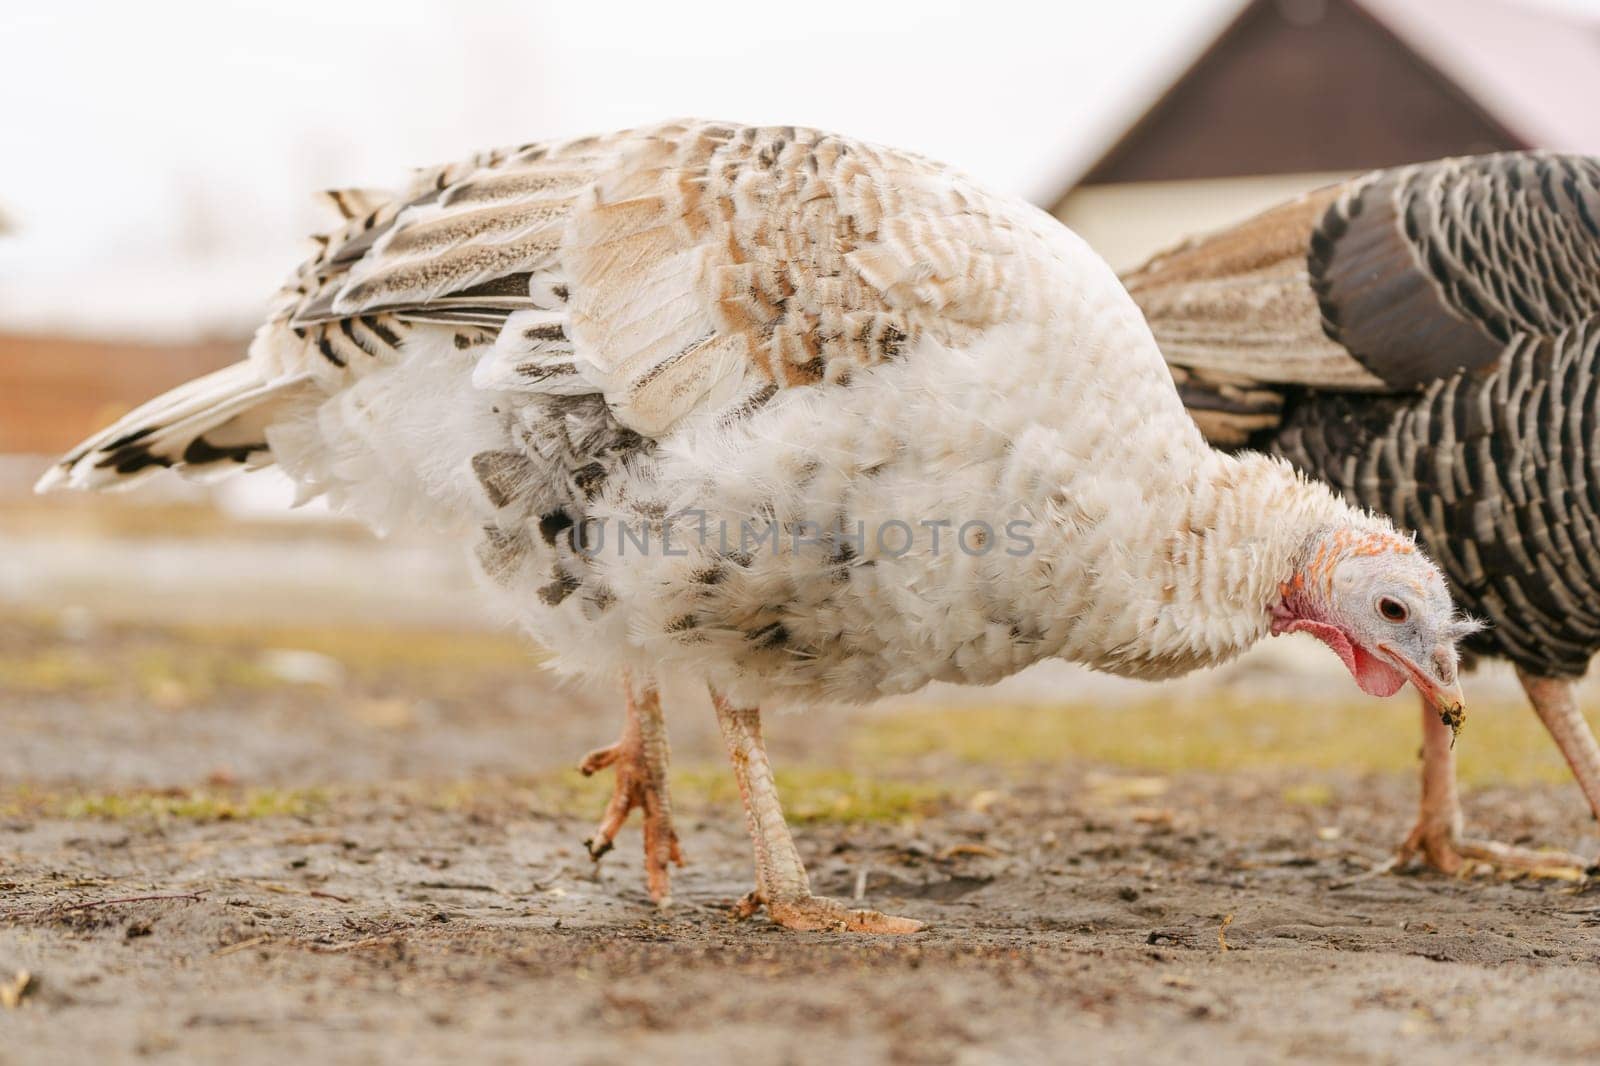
x,y
1438,838
823,914
636,787
1441,847
639,760
781,882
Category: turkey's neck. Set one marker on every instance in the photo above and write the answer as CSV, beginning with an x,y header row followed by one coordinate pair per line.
x,y
1191,576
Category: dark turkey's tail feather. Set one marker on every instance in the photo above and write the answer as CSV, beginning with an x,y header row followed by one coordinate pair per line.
x,y
212,424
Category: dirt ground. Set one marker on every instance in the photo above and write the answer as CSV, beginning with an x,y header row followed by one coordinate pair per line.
x,y
375,841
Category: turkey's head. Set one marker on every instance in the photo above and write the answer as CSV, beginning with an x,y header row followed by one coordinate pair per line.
x,y
1384,609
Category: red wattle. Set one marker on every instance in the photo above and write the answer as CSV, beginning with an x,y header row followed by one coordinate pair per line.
x,y
1376,677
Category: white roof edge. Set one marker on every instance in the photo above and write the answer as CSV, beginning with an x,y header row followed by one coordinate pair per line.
x,y
1534,65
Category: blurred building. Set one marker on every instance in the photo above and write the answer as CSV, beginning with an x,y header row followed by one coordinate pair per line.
x,y
64,375
57,389
1245,106
1294,94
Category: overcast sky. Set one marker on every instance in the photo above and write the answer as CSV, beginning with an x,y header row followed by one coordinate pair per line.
x,y
159,157
142,139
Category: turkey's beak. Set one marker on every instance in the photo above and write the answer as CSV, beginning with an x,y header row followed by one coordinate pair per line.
x,y
1446,696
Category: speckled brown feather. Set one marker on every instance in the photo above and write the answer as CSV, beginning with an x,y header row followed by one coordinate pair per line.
x,y
694,260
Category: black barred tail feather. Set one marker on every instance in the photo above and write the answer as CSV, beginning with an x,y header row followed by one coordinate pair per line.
x,y
211,425
1426,340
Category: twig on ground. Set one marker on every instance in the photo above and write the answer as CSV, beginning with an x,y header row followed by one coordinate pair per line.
x,y
462,886
193,896
288,890
243,945
1222,932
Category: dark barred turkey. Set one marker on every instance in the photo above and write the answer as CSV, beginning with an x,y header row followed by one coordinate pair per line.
x,y
1426,339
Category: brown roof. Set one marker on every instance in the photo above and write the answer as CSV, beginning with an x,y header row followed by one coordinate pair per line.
x,y
1302,85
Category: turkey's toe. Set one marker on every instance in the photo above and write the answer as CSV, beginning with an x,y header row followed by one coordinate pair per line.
x,y
624,798
1535,862
637,786
1443,849
660,850
826,915
1436,843
599,759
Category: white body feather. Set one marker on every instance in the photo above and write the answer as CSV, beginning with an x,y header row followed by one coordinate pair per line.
x,y
725,330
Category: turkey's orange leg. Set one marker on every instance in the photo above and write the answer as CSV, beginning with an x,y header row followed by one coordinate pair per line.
x,y
781,882
639,759
1438,833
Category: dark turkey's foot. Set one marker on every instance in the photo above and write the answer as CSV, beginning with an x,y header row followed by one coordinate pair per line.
x,y
824,914
1437,838
639,785
1437,844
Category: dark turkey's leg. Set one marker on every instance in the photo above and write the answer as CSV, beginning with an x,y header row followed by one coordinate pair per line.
x,y
640,760
1438,828
1556,704
781,881
1438,833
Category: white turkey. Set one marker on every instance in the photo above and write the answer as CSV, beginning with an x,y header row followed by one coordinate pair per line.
x,y
806,418
1426,340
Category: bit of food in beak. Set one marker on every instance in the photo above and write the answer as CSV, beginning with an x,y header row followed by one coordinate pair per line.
x,y
1447,698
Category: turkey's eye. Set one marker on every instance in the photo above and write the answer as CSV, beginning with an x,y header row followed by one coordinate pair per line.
x,y
1393,610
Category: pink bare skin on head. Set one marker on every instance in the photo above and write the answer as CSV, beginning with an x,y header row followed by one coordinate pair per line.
x,y
1384,609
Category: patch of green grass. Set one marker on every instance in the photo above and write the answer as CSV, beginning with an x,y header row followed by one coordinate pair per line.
x,y
190,664
1499,744
810,794
815,794
190,805
1309,794
365,649
54,670
166,673
193,674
